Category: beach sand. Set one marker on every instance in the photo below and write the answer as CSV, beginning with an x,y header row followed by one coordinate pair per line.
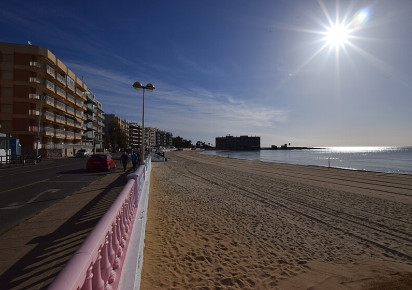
x,y
220,223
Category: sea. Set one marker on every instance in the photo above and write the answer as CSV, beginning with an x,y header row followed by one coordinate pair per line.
x,y
377,159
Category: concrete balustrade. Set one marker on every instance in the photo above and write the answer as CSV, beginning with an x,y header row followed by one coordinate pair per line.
x,y
98,263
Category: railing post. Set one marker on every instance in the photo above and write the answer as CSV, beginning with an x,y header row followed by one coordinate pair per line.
x,y
98,283
116,246
89,276
106,266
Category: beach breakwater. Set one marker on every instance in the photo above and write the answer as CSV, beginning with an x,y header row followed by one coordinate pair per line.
x,y
222,223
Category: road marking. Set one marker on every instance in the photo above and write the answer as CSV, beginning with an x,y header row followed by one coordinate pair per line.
x,y
15,205
67,181
23,186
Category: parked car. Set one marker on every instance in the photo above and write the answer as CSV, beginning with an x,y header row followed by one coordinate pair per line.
x,y
100,161
82,153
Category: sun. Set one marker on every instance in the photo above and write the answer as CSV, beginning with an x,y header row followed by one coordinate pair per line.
x,y
337,35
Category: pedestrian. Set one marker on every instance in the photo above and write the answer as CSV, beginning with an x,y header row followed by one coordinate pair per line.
x,y
134,160
141,156
125,159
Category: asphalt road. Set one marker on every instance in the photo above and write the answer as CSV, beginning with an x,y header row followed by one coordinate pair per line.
x,y
24,191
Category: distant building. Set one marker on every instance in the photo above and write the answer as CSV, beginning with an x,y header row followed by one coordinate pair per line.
x,y
237,143
93,135
135,134
164,139
150,137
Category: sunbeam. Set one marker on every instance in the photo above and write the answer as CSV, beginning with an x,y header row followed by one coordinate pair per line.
x,y
336,36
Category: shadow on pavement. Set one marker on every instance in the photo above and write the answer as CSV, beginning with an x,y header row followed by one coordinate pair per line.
x,y
39,267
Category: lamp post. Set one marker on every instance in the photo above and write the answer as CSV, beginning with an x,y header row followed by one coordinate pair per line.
x,y
150,87
38,127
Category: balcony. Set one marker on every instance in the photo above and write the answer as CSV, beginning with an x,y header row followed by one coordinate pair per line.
x,y
37,64
69,135
49,131
33,129
49,101
34,97
91,108
88,135
79,103
61,92
34,112
70,122
61,134
79,114
70,98
70,110
70,83
60,106
50,86
90,97
61,78
80,93
49,115
60,119
36,80
51,71
77,136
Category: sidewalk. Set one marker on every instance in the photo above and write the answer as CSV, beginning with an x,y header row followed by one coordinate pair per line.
x,y
33,252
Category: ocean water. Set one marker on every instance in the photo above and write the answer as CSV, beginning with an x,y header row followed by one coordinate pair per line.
x,y
377,159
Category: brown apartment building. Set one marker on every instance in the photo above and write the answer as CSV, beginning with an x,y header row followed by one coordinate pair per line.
x,y
44,104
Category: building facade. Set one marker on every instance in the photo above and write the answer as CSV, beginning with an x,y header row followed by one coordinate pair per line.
x,y
164,139
237,143
42,102
93,134
111,121
135,135
150,137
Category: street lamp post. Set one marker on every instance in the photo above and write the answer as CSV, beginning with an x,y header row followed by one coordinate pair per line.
x,y
150,87
38,128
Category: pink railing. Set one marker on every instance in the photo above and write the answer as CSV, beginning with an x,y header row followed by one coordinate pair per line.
x,y
98,263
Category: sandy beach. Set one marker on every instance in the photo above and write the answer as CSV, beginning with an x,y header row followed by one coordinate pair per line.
x,y
220,223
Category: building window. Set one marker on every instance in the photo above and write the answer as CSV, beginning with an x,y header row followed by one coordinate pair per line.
x,y
6,108
7,92
6,75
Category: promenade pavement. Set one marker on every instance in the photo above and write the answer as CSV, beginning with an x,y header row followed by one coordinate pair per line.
x,y
33,252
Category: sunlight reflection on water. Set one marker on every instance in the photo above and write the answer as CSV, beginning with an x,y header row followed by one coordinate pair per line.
x,y
378,159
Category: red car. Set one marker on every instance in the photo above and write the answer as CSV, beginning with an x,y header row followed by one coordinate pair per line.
x,y
101,161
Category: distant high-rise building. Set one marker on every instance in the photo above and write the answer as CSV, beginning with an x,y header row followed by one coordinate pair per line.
x,y
237,143
164,139
135,135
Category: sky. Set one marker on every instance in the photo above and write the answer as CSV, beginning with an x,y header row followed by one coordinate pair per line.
x,y
305,72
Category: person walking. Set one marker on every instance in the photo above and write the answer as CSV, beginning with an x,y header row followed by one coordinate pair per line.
x,y
134,157
125,159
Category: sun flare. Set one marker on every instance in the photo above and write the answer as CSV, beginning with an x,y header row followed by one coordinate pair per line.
x,y
337,35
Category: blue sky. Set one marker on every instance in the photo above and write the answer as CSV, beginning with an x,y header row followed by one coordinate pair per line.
x,y
259,68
